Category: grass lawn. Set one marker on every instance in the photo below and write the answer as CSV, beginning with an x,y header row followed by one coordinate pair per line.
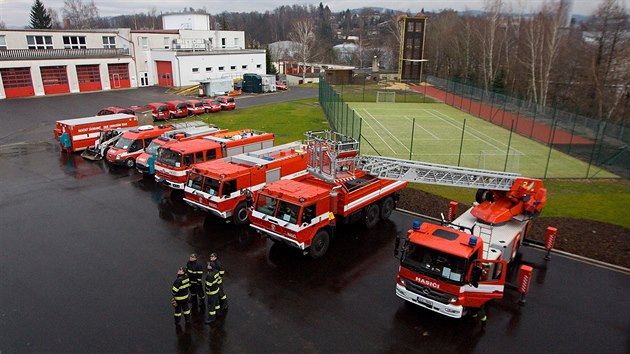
x,y
603,200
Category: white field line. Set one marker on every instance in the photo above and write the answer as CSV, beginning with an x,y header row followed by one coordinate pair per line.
x,y
377,134
386,130
421,127
479,134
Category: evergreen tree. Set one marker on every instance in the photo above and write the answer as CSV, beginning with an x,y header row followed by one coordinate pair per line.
x,y
40,18
271,70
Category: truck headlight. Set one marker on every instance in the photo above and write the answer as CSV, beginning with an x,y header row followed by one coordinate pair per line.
x,y
117,157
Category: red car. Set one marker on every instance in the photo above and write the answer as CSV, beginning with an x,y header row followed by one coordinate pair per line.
x,y
195,107
211,105
226,102
178,109
280,86
114,110
159,110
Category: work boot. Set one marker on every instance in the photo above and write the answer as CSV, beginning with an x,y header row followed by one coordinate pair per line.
x,y
187,319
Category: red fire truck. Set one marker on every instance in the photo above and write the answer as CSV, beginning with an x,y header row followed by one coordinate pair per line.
x,y
132,143
145,162
456,266
175,158
217,186
302,212
79,133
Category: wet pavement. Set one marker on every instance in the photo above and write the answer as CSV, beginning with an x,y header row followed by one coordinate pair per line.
x,y
88,254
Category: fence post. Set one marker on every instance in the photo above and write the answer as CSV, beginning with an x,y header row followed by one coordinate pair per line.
x,y
553,137
590,161
573,130
481,102
413,127
531,132
364,77
461,143
507,154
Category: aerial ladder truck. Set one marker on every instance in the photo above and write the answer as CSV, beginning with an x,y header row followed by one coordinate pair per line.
x,y
449,266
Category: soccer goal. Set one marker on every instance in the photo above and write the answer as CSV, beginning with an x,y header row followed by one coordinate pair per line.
x,y
385,97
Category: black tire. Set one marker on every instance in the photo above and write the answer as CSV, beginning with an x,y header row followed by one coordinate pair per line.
x,y
172,116
387,206
484,195
320,244
240,214
130,163
371,216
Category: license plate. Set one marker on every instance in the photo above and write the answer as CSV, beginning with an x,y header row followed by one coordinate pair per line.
x,y
425,302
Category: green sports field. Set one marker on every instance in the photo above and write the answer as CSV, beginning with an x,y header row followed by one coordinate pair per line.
x,y
438,133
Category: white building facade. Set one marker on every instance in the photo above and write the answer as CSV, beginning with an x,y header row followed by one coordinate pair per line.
x,y
43,62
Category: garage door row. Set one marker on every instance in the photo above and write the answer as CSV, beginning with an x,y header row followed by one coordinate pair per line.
x,y
18,82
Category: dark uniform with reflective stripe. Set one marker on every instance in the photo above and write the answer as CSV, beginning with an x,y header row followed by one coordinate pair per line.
x,y
222,295
195,274
180,293
212,290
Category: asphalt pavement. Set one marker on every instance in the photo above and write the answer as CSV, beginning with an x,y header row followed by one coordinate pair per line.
x,y
88,254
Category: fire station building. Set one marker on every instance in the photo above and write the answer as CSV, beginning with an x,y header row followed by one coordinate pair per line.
x,y
44,62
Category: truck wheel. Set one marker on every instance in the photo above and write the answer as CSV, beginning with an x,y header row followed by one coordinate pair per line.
x,y
240,214
387,207
320,244
130,163
371,216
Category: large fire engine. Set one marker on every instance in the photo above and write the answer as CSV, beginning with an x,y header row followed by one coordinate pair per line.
x,y
303,212
459,265
218,186
176,158
145,162
80,133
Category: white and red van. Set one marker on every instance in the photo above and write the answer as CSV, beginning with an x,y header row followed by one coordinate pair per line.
x,y
132,143
177,109
159,110
226,102
195,107
79,133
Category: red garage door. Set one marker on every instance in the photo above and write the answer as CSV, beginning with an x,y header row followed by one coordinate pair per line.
x,y
55,79
165,73
89,77
17,82
119,75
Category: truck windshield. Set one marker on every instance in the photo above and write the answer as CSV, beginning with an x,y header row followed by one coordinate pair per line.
x,y
169,157
123,143
181,106
266,204
435,264
152,149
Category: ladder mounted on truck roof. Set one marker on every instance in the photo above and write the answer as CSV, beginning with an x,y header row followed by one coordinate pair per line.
x,y
331,156
423,172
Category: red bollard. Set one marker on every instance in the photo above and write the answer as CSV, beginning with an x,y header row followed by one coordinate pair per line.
x,y
550,240
452,210
524,279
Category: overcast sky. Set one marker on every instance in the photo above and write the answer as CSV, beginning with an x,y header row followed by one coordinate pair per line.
x,y
15,13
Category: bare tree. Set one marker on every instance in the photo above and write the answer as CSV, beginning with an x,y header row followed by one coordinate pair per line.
x,y
2,24
54,18
304,35
80,15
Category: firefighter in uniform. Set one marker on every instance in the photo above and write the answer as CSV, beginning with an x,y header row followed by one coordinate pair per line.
x,y
219,267
212,290
195,274
180,296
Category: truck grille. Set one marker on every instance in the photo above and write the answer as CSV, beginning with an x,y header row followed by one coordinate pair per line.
x,y
427,292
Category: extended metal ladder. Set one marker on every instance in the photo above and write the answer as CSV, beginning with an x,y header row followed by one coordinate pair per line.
x,y
423,172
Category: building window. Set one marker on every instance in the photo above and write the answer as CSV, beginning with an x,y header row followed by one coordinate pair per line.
x,y
233,67
195,70
209,68
223,42
109,42
39,42
167,43
258,66
3,42
144,42
74,42
221,68
244,67
236,42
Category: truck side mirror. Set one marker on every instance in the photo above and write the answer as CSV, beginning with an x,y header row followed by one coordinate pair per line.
x,y
475,275
399,246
